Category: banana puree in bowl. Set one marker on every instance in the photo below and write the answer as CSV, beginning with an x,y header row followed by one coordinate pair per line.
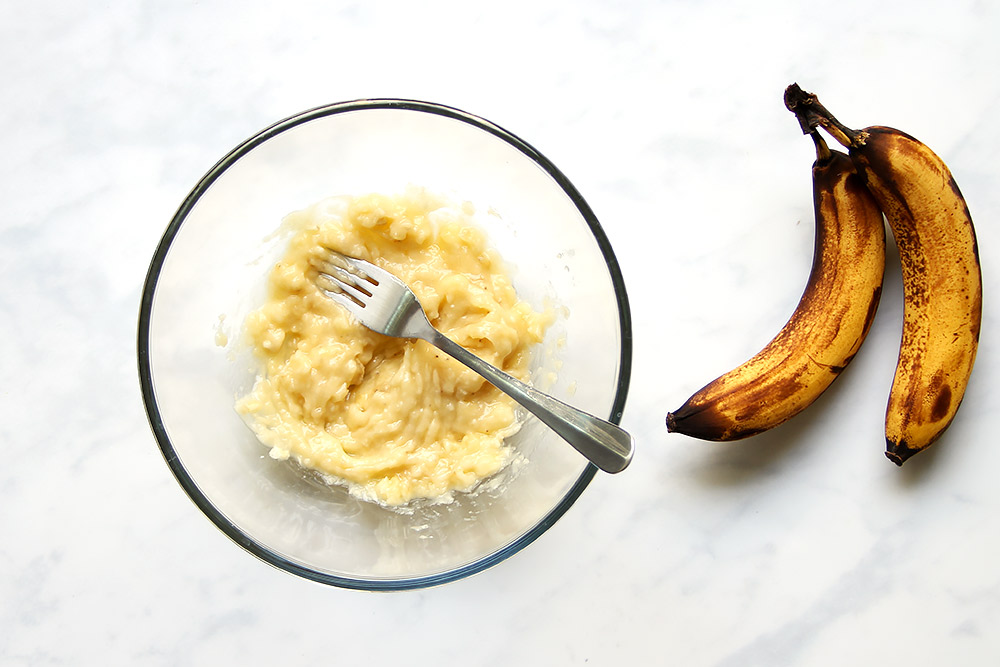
x,y
391,419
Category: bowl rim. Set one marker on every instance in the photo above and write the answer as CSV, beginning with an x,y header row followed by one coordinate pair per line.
x,y
186,481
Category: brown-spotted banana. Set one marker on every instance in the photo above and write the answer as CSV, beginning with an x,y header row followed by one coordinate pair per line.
x,y
827,327
942,281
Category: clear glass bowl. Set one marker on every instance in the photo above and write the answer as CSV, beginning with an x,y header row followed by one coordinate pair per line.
x,y
210,269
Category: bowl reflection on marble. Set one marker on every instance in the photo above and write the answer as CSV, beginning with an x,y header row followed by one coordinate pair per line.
x,y
209,271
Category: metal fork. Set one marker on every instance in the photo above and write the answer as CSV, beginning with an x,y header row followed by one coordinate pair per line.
x,y
383,303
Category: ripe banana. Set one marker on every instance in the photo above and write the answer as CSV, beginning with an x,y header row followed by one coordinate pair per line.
x,y
942,281
827,327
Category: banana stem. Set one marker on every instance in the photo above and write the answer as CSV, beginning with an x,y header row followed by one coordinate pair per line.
x,y
823,152
811,114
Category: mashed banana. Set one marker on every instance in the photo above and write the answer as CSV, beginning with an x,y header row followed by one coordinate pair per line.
x,y
392,419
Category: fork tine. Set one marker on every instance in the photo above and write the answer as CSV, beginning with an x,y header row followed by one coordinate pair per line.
x,y
339,282
343,278
352,265
335,291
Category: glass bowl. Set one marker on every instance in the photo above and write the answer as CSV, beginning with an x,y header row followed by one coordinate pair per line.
x,y
210,270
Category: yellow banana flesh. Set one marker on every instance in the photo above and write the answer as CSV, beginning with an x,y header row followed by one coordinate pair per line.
x,y
942,281
826,329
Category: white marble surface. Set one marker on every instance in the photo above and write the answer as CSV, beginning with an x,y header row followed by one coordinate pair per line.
x,y
804,546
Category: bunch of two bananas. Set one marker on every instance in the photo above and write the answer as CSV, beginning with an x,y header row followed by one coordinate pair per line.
x,y
885,172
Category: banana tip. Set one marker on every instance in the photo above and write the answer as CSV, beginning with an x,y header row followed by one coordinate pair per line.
x,y
898,453
671,423
895,458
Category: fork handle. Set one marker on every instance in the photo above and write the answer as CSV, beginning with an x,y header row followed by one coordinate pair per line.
x,y
604,444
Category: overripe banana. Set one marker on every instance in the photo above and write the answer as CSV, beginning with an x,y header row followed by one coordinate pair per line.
x,y
827,327
942,282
